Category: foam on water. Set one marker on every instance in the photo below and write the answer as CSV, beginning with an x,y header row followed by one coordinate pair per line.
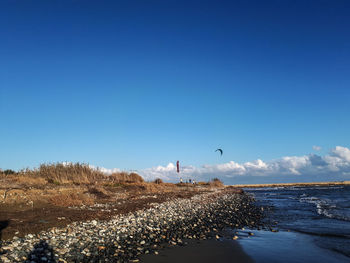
x,y
326,207
323,213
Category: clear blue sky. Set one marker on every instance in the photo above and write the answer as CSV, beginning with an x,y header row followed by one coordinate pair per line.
x,y
135,84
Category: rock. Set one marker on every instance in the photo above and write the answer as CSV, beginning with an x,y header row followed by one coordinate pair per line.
x,y
124,237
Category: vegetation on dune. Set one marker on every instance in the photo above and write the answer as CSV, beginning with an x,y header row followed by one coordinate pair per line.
x,y
76,184
65,174
82,174
124,177
71,173
216,182
158,181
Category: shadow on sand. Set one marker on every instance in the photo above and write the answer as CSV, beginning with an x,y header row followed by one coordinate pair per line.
x,y
3,225
42,252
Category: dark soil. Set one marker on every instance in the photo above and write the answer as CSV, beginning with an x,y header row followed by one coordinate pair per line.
x,y
19,222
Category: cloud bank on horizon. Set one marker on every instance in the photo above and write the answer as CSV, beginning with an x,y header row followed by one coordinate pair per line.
x,y
334,165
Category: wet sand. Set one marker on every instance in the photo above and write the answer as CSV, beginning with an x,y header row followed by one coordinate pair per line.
x,y
205,251
262,247
286,247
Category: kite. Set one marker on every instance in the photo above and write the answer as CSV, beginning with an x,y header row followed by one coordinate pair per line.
x,y
220,150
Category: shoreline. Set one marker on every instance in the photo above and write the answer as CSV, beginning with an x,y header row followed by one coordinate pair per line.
x,y
204,251
321,184
126,237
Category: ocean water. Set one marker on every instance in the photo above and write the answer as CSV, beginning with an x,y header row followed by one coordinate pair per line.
x,y
313,225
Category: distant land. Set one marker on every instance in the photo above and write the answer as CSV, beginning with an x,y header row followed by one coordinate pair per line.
x,y
293,184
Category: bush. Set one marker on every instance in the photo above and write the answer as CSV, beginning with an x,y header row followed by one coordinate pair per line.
x,y
158,181
60,173
123,177
8,172
216,182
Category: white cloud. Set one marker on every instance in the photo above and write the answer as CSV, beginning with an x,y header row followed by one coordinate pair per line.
x,y
101,169
105,170
342,153
337,163
334,166
317,148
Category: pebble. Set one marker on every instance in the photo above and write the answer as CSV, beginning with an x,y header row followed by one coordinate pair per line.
x,y
125,237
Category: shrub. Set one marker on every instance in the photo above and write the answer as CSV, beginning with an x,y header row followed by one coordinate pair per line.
x,y
158,181
8,172
60,173
216,182
124,177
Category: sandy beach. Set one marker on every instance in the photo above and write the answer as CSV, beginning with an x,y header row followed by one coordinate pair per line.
x,y
207,251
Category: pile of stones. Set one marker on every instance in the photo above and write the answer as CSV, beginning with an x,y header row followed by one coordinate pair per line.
x,y
126,237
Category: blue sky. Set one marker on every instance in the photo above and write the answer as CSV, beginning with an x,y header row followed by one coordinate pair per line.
x,y
134,85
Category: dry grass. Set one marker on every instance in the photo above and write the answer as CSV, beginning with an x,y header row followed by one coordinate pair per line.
x,y
216,182
203,183
98,192
59,173
63,174
145,188
30,181
71,199
77,184
123,177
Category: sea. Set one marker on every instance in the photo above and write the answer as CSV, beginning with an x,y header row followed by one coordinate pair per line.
x,y
310,224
